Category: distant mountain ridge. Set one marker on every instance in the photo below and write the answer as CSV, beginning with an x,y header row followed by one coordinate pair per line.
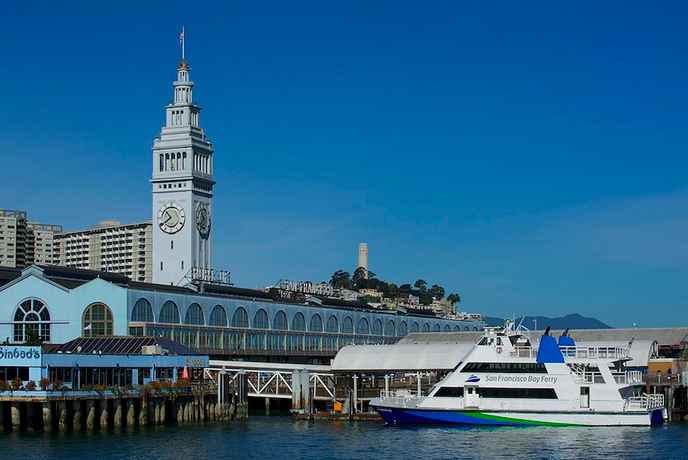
x,y
572,321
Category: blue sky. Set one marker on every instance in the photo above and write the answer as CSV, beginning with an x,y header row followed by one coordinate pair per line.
x,y
530,156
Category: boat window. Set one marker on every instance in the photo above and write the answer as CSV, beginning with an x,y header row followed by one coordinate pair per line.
x,y
510,368
499,341
483,341
451,392
525,393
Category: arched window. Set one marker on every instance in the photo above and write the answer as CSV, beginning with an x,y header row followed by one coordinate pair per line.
x,y
31,315
261,320
377,327
142,312
348,325
194,315
414,327
169,313
447,328
457,328
390,328
363,327
316,323
240,318
97,320
436,328
332,324
299,322
281,322
218,317
403,329
466,328
426,327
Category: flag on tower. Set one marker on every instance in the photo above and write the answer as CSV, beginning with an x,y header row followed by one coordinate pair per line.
x,y
181,37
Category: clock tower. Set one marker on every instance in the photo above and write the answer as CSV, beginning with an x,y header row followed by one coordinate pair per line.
x,y
182,189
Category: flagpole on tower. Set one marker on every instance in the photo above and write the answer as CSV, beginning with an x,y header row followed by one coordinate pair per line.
x,y
181,41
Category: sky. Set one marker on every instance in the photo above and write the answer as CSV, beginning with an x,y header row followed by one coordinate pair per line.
x,y
529,156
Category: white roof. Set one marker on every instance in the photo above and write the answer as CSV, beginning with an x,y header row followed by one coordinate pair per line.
x,y
438,356
400,357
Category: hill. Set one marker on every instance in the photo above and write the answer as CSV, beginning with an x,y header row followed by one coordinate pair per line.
x,y
572,321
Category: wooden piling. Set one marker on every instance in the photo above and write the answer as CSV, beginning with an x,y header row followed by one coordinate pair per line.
x,y
62,415
16,416
117,422
90,414
76,418
104,413
47,416
130,412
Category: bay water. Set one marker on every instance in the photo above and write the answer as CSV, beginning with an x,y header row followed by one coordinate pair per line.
x,y
279,437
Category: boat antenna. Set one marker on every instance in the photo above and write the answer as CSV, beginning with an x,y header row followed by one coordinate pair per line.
x,y
519,324
546,331
566,332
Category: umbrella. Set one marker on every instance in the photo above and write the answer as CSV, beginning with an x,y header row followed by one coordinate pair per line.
x,y
185,373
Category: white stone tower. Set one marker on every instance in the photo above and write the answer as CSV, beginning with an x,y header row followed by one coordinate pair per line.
x,y
363,257
182,189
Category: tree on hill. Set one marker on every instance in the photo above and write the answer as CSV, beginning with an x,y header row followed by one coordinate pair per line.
x,y
341,279
420,283
436,292
454,298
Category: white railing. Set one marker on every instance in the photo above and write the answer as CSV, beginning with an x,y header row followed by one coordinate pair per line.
x,y
522,352
594,352
645,402
398,397
628,377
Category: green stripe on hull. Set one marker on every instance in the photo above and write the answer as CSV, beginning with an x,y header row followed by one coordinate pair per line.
x,y
515,420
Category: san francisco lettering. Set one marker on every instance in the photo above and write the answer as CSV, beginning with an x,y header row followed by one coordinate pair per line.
x,y
522,378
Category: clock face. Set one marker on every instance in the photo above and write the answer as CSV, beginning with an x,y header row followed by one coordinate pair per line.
x,y
203,219
171,217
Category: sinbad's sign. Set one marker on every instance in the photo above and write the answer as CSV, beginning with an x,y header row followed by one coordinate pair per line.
x,y
20,355
196,362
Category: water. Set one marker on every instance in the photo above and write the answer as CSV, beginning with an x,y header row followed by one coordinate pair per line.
x,y
280,437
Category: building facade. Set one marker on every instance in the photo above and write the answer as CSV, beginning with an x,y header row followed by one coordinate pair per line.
x,y
24,243
182,189
109,247
59,304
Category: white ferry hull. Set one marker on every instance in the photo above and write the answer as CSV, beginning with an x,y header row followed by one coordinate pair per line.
x,y
404,415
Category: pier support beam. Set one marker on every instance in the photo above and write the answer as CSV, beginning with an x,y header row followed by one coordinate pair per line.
x,y
130,412
16,416
143,413
90,414
242,396
76,407
117,412
104,414
267,406
62,415
47,416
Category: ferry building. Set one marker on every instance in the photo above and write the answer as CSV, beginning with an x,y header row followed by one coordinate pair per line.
x,y
185,302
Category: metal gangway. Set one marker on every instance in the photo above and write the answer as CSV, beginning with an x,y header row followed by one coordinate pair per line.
x,y
275,380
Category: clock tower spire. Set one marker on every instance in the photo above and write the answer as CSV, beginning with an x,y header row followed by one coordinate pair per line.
x,y
182,188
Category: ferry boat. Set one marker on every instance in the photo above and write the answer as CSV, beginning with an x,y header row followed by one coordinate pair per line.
x,y
505,380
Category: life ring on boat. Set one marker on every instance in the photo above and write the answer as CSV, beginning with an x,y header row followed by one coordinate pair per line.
x,y
499,350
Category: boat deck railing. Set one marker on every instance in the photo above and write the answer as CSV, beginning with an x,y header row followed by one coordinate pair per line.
x,y
398,397
645,402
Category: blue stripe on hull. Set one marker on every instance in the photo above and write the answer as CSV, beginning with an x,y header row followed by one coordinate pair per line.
x,y
412,416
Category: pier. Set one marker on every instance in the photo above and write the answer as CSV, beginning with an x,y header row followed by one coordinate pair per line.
x,y
92,410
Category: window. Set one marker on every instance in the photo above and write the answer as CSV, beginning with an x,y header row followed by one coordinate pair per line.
x,y
97,320
403,329
194,315
218,317
348,325
169,313
299,323
316,323
240,318
31,315
390,329
142,312
377,327
281,321
332,324
363,327
261,320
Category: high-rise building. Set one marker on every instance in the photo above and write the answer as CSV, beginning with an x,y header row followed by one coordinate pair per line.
x,y
363,257
109,247
182,189
24,243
